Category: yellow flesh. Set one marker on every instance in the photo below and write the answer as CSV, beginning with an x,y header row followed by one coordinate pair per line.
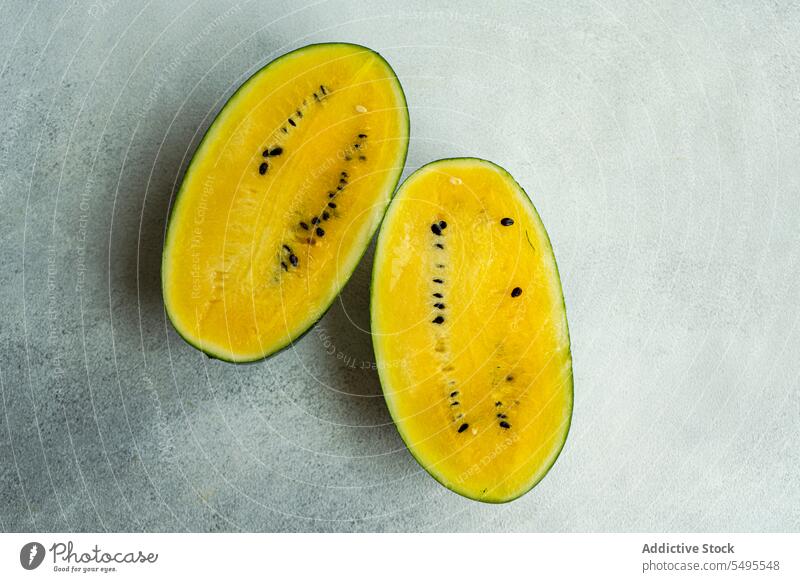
x,y
490,348
224,286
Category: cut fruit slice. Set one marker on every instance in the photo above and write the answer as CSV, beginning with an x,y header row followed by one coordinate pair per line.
x,y
470,330
282,198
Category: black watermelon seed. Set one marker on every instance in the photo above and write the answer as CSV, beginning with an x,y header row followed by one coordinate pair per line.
x,y
338,187
509,378
304,226
442,224
439,305
288,248
362,135
438,281
342,181
262,169
316,97
440,245
454,393
501,415
516,292
292,123
344,174
440,266
504,424
331,204
276,151
436,230
314,220
320,232
299,114
439,295
456,403
498,403
331,194
507,221
284,130
322,88
325,215
265,153
438,319
285,268
293,260
356,145
463,427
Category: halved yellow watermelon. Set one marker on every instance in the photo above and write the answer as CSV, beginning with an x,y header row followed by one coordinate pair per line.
x,y
470,330
282,198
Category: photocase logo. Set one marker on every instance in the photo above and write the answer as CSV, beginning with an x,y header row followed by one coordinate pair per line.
x,y
31,555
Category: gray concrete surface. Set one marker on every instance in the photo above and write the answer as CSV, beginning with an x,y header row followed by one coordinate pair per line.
x,y
658,140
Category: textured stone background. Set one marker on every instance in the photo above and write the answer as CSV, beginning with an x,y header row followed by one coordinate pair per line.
x,y
659,142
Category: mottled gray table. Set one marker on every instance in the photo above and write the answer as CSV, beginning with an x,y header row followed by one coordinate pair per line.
x,y
659,142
